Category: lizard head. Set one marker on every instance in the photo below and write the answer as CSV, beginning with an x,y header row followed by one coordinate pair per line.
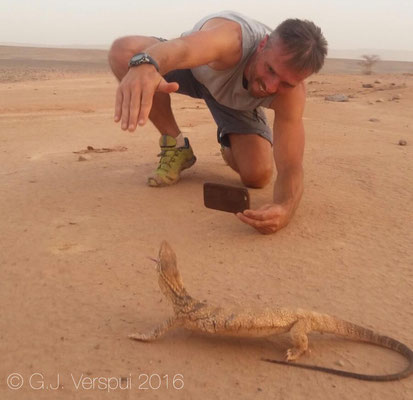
x,y
170,280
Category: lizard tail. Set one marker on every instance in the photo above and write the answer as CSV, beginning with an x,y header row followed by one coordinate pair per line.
x,y
327,324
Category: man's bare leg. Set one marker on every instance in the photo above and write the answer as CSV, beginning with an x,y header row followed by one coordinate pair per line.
x,y
251,156
176,153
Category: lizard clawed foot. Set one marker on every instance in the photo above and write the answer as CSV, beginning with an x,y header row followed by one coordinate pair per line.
x,y
140,336
293,354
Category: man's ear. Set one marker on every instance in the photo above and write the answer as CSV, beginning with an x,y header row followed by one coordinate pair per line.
x,y
262,43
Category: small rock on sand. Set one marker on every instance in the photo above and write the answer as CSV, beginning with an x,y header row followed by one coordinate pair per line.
x,y
337,97
402,142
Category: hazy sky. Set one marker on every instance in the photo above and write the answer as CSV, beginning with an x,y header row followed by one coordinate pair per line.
x,y
347,24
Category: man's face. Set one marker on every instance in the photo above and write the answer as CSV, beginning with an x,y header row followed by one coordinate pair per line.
x,y
268,72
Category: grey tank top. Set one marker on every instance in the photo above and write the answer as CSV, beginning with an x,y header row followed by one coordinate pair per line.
x,y
226,86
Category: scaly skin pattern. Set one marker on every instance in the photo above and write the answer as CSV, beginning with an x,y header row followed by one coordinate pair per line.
x,y
200,317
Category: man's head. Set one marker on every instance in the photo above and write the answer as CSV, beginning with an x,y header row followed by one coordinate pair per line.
x,y
303,41
292,52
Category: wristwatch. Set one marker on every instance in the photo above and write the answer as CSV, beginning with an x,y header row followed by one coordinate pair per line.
x,y
142,58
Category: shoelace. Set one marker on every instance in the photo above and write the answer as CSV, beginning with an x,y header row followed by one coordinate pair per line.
x,y
167,159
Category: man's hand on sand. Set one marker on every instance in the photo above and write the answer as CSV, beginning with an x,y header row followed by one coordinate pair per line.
x,y
135,93
267,219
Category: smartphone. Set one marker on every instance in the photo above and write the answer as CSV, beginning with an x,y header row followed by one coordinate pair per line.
x,y
227,198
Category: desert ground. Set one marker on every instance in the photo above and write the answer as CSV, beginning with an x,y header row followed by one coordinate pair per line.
x,y
75,237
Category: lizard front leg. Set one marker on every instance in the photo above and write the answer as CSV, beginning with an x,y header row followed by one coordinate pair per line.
x,y
155,333
298,334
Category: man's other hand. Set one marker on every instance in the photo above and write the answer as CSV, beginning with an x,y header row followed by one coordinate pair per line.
x,y
267,219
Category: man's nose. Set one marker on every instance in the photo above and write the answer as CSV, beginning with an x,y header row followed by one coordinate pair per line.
x,y
272,85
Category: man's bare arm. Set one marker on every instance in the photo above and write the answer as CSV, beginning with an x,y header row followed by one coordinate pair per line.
x,y
289,140
218,43
288,156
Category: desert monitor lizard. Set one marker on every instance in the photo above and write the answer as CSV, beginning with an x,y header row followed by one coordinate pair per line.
x,y
197,316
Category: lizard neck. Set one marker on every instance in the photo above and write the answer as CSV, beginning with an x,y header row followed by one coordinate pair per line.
x,y
183,303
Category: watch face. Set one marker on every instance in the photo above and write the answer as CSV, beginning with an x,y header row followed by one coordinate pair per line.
x,y
142,58
139,58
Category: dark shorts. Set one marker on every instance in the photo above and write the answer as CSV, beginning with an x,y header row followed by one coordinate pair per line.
x,y
227,119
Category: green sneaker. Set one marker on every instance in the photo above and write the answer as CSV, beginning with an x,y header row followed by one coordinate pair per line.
x,y
173,161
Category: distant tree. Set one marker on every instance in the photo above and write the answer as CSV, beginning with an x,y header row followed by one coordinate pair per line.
x,y
368,62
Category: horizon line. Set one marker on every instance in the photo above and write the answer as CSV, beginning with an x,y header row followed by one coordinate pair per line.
x,y
389,54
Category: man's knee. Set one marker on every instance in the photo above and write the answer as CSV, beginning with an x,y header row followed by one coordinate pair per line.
x,y
122,49
118,49
256,176
251,156
118,57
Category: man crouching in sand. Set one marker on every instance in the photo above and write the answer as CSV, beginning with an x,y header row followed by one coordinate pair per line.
x,y
237,65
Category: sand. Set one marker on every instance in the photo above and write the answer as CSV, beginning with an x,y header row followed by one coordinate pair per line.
x,y
75,237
